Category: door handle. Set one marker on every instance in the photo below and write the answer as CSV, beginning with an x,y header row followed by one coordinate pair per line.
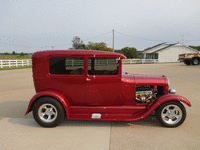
x,y
88,79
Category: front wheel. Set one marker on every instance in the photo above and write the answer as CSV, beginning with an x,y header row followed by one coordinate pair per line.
x,y
171,114
48,112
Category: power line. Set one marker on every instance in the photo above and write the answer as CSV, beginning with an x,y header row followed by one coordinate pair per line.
x,y
139,37
98,36
191,40
86,39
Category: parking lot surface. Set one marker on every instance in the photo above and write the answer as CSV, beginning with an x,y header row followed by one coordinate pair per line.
x,y
22,132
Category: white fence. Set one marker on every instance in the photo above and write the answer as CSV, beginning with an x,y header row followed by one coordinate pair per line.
x,y
15,63
143,61
28,62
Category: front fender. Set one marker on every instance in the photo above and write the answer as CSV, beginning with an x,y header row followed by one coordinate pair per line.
x,y
60,97
171,97
162,99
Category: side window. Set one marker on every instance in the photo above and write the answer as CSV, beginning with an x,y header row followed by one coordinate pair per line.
x,y
69,65
102,66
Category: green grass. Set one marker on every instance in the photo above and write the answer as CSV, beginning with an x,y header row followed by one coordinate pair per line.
x,y
11,68
6,57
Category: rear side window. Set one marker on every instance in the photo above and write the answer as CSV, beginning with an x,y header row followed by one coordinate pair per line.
x,y
66,65
103,66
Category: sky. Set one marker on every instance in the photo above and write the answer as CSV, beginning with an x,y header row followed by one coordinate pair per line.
x,y
34,25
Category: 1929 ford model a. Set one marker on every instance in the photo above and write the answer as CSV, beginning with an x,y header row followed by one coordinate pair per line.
x,y
90,85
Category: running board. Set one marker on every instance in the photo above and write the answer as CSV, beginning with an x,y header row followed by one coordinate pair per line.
x,y
108,113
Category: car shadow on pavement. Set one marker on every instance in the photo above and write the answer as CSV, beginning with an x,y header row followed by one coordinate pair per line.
x,y
84,123
149,121
15,110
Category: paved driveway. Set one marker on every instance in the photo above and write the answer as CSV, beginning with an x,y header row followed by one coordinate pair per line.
x,y
22,132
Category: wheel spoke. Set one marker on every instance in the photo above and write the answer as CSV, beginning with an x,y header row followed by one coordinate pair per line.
x,y
53,113
167,108
49,118
177,116
164,115
42,114
45,107
51,109
170,121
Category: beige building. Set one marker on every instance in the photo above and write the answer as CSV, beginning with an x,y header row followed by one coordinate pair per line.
x,y
167,52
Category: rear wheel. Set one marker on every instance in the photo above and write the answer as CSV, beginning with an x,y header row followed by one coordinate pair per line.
x,y
171,114
195,61
48,112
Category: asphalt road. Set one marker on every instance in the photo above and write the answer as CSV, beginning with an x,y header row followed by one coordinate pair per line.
x,y
22,132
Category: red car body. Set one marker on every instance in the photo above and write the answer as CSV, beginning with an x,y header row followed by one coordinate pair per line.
x,y
87,96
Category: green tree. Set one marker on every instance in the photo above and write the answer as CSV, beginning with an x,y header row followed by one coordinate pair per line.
x,y
195,47
21,54
78,43
98,46
82,46
129,52
14,53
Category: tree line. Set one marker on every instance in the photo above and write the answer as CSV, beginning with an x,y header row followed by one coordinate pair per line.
x,y
195,47
129,52
14,53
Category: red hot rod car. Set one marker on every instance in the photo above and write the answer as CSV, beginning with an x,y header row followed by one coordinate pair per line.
x,y
90,85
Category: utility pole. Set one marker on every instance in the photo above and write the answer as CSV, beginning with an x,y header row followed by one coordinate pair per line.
x,y
113,41
52,47
183,38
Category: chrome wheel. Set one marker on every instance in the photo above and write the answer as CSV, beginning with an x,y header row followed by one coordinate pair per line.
x,y
47,113
195,61
171,114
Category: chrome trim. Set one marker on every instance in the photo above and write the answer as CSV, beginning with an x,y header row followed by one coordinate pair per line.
x,y
168,81
88,79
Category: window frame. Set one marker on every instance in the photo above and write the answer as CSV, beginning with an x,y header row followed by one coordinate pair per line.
x,y
104,76
68,75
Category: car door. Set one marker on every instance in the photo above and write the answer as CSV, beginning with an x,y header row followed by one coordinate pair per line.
x,y
67,76
103,82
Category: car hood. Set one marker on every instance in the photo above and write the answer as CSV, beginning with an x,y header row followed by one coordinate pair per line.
x,y
139,79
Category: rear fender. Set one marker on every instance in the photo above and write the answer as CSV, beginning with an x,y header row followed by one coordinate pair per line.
x,y
60,97
162,99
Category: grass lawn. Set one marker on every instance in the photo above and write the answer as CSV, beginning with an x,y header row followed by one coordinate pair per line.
x,y
5,57
11,68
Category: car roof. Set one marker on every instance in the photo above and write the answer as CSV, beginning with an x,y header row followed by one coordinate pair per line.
x,y
76,52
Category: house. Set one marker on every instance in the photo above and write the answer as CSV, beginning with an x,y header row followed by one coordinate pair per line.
x,y
167,52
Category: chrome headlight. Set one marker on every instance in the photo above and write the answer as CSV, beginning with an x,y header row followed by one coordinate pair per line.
x,y
172,91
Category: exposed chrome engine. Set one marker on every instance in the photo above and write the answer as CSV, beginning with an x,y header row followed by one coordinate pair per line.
x,y
146,94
